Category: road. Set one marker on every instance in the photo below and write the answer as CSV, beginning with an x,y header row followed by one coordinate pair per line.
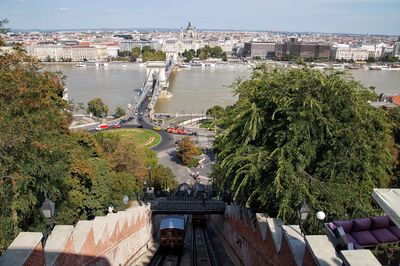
x,y
165,150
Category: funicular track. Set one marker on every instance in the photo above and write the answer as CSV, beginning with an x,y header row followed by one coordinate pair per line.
x,y
202,253
166,257
198,248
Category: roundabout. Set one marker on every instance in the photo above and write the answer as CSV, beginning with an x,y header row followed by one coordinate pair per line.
x,y
144,137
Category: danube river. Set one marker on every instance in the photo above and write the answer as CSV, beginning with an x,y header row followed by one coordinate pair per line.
x,y
195,89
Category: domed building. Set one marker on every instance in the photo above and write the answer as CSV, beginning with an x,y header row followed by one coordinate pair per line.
x,y
190,32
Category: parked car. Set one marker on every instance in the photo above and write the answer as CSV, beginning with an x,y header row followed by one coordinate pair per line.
x,y
102,127
116,126
123,121
140,126
157,128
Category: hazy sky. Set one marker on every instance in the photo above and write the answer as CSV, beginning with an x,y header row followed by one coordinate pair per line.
x,y
347,16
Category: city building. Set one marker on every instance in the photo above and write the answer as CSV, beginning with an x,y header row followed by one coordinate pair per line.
x,y
294,49
127,45
374,50
259,49
60,53
396,49
190,32
347,53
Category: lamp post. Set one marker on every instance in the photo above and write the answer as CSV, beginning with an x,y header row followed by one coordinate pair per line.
x,y
48,208
302,214
125,200
149,168
321,217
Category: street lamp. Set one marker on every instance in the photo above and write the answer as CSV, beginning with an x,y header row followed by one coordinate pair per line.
x,y
125,200
48,208
321,215
149,168
302,214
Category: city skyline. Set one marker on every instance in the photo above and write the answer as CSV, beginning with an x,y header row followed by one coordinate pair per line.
x,y
328,16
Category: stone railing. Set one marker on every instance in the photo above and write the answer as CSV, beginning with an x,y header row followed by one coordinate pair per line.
x,y
114,239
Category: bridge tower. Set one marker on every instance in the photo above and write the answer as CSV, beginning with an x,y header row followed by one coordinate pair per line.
x,y
171,56
156,70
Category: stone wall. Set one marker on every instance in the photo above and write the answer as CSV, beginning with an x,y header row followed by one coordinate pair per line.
x,y
114,239
256,239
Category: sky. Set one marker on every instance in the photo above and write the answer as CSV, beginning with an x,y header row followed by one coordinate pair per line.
x,y
336,16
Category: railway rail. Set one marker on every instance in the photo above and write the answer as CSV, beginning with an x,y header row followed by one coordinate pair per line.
x,y
166,257
198,248
202,253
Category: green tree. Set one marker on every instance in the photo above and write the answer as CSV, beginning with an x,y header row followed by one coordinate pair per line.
x,y
3,30
33,124
187,150
136,53
298,134
97,107
394,116
162,178
371,59
216,111
189,55
216,52
224,57
154,56
147,49
119,111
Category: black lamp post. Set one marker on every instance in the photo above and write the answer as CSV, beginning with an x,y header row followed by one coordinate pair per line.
x,y
302,214
48,208
149,168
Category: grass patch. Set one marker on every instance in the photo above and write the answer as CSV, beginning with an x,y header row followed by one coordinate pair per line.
x,y
205,125
145,137
193,163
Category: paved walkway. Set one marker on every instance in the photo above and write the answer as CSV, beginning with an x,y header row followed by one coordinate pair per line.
x,y
168,158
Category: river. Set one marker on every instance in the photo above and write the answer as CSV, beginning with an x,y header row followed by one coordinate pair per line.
x,y
195,89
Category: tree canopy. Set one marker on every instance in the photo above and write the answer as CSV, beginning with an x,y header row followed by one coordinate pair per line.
x,y
187,150
97,107
213,52
119,111
302,134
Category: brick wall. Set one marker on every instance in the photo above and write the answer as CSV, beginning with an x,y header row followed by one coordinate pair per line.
x,y
246,245
108,240
36,257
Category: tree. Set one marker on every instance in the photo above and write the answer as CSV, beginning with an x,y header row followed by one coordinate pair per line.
x,y
119,111
154,55
33,140
216,111
3,29
189,55
147,49
187,150
371,59
97,107
224,57
298,134
394,116
162,178
136,53
216,52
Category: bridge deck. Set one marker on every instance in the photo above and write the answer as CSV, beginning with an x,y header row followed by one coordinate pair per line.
x,y
187,207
